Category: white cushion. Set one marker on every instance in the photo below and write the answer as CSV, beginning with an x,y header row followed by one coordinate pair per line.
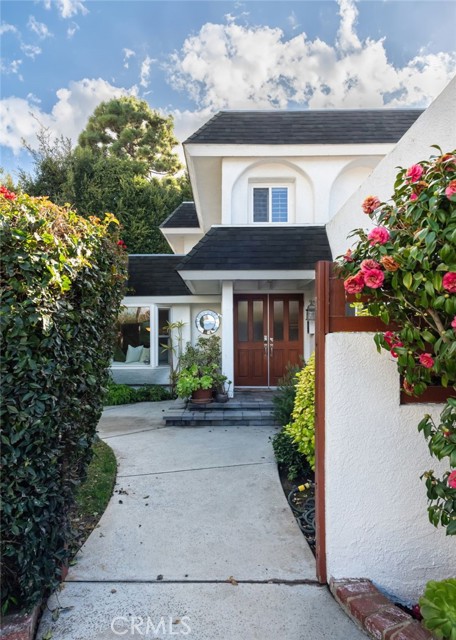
x,y
145,355
133,354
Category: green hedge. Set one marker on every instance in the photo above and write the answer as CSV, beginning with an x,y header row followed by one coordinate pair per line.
x,y
62,279
123,394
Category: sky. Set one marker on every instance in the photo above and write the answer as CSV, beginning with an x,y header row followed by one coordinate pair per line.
x,y
192,58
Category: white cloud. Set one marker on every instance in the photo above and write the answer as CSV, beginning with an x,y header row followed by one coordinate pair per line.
x,y
5,28
229,66
30,50
68,8
145,71
128,53
72,30
11,67
39,28
21,119
293,21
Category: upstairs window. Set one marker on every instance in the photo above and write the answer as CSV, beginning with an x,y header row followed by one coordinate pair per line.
x,y
270,204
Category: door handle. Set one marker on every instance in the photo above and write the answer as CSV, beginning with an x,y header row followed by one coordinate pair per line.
x,y
271,347
265,345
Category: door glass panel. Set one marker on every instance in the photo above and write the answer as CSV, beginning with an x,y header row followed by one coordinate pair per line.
x,y
258,335
278,320
243,334
293,320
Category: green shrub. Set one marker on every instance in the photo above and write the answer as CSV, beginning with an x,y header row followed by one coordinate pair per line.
x,y
438,608
285,396
288,456
62,279
302,427
123,394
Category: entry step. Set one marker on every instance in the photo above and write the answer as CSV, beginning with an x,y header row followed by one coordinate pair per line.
x,y
219,417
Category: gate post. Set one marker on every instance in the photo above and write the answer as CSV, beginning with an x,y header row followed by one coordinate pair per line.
x,y
323,271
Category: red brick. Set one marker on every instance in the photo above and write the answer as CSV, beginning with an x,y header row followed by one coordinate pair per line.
x,y
364,606
345,589
413,631
378,623
19,627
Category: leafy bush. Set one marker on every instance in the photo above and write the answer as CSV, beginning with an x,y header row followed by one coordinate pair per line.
x,y
438,608
123,394
285,396
62,278
302,426
406,265
288,456
442,442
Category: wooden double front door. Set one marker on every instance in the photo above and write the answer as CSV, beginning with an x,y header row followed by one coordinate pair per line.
x,y
268,335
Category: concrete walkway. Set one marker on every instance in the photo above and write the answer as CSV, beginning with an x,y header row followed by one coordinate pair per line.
x,y
193,508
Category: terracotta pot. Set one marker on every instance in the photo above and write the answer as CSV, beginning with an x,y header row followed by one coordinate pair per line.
x,y
202,396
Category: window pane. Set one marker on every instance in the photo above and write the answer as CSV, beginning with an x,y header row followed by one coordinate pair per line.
x,y
164,354
243,335
279,204
278,320
261,204
293,320
132,344
258,335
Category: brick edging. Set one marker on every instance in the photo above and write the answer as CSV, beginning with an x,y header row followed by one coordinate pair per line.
x,y
18,626
374,613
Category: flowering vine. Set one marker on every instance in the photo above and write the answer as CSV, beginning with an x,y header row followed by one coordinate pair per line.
x,y
406,267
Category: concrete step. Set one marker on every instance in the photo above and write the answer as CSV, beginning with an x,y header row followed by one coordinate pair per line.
x,y
232,405
219,418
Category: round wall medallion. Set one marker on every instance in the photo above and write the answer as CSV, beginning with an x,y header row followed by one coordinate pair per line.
x,y
207,322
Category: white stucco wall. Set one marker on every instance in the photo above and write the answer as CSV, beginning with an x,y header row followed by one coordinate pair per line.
x,y
376,507
318,184
437,125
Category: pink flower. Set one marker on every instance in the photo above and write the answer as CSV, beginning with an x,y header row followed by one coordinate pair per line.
x,y
393,351
370,204
414,197
389,337
453,323
374,278
414,173
379,235
348,256
9,195
451,189
449,281
426,360
452,480
367,265
354,284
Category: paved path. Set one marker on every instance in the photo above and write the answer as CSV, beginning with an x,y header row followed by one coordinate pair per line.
x,y
193,508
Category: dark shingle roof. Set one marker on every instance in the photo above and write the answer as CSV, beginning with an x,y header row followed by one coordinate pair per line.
x,y
182,217
276,248
155,275
306,127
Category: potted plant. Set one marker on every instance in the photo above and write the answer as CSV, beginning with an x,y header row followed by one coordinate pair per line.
x,y
196,381
199,371
222,387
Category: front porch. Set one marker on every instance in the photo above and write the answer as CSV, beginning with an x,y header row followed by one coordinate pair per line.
x,y
247,407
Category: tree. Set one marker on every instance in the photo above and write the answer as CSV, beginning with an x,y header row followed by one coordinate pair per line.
x,y
52,158
98,179
128,128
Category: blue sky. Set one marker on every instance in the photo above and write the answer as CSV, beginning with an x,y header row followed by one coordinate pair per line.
x,y
60,58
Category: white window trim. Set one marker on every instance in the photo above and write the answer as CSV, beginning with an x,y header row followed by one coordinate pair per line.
x,y
271,184
156,338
